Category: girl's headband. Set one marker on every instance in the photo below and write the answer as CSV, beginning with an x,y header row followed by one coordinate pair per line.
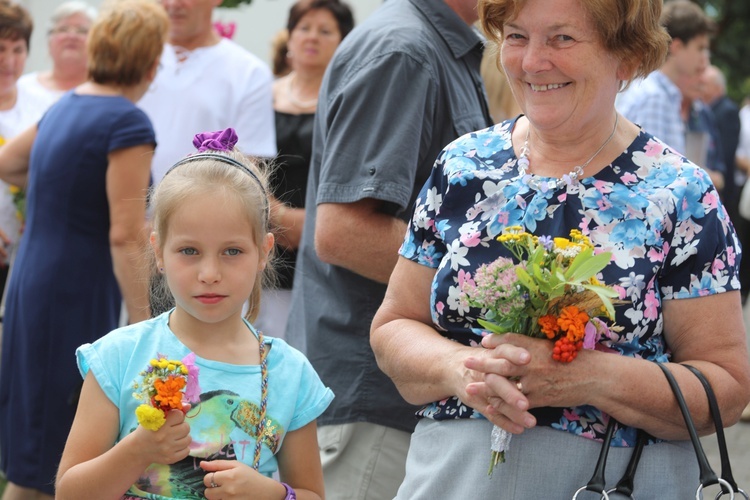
x,y
208,143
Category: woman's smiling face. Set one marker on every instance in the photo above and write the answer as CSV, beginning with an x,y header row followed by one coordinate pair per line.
x,y
559,71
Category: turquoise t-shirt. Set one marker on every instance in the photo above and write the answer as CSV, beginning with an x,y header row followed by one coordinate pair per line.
x,y
223,421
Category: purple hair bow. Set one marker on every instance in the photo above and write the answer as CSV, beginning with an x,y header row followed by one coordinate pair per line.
x,y
222,140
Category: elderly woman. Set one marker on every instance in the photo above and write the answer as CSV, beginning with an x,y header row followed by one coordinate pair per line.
x,y
86,166
316,28
569,162
66,43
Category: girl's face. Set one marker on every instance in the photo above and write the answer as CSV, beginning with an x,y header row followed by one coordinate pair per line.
x,y
314,39
210,258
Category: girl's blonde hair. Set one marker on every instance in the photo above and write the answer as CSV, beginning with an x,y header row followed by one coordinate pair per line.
x,y
217,176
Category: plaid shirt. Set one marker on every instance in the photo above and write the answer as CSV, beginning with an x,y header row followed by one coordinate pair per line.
x,y
654,104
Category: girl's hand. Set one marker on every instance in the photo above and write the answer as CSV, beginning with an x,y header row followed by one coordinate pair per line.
x,y
234,479
170,444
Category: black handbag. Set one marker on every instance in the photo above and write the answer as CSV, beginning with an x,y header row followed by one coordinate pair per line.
x,y
707,476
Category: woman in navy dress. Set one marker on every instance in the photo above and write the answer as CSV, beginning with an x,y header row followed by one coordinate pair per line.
x,y
86,166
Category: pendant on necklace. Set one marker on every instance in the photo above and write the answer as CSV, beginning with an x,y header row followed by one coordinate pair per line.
x,y
544,184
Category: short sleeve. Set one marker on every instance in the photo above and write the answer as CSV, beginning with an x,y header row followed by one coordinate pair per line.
x,y
313,397
254,116
704,254
132,129
369,146
89,360
423,243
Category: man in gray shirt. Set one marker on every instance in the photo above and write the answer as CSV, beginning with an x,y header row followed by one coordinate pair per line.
x,y
401,86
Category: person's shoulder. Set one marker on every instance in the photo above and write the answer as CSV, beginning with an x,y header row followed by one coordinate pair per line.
x,y
234,54
395,28
499,135
128,337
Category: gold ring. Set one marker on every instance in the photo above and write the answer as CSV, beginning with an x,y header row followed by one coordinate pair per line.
x,y
213,484
519,386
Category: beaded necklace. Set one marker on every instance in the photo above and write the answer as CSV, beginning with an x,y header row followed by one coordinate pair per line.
x,y
539,182
263,400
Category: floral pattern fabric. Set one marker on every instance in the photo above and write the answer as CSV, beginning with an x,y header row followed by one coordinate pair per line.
x,y
657,213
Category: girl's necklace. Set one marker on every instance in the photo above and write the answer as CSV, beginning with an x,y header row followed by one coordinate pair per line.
x,y
543,184
263,400
294,100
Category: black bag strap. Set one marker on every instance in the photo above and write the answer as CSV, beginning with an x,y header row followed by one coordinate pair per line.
x,y
726,468
597,483
706,475
626,484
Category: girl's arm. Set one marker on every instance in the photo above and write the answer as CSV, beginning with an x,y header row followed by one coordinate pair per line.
x,y
92,465
299,463
128,175
299,467
14,158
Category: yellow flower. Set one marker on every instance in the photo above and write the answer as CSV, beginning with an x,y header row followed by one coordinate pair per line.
x,y
562,243
183,370
154,362
14,189
149,417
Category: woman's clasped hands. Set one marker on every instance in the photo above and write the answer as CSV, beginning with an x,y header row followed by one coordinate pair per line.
x,y
515,373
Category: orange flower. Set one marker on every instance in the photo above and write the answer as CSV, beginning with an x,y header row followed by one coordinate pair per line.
x,y
573,322
168,393
549,325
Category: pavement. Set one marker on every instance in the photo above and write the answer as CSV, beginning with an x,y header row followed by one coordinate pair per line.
x,y
738,442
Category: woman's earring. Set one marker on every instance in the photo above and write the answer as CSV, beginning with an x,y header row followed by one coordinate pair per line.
x,y
161,270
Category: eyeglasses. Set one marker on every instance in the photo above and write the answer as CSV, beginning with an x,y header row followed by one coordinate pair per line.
x,y
69,30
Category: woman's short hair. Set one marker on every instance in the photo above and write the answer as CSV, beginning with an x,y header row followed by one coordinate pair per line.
x,y
15,22
126,40
340,10
630,30
223,181
71,8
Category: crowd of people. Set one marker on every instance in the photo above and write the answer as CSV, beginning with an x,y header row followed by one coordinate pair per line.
x,y
280,310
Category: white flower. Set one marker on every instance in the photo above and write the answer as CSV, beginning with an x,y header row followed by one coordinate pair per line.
x,y
683,253
434,199
457,255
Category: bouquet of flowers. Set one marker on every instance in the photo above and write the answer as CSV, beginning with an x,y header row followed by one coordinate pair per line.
x,y
552,292
164,384
19,200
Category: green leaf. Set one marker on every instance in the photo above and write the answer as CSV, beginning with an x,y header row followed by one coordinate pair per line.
x,y
605,294
586,266
505,327
526,280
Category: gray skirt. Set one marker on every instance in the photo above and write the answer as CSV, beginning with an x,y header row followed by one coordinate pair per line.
x,y
450,459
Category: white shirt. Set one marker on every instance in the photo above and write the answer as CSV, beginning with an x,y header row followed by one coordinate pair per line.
x,y
215,87
46,97
28,110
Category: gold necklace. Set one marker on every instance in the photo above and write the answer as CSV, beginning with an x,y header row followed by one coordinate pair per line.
x,y
294,100
540,183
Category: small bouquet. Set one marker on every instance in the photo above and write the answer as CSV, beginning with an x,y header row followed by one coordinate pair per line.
x,y
19,201
552,292
165,382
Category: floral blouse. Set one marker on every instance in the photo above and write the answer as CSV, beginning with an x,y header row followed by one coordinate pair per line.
x,y
657,213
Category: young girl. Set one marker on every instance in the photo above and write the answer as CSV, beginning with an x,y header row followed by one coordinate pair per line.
x,y
250,402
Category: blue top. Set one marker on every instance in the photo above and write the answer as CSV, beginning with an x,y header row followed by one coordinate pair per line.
x,y
62,290
223,422
657,213
400,87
